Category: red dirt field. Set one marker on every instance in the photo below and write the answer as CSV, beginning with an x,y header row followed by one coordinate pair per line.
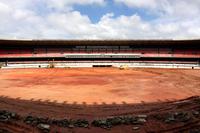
x,y
99,85
91,93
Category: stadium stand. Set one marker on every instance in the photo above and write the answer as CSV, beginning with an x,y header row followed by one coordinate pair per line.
x,y
83,50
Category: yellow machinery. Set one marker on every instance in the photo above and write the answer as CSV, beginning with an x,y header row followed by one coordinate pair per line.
x,y
123,67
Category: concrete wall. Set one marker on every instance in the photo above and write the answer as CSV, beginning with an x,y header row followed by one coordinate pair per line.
x,y
115,64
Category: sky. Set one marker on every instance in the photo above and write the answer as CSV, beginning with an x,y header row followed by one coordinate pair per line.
x,y
99,19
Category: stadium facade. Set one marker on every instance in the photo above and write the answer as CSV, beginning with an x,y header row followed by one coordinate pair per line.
x,y
100,53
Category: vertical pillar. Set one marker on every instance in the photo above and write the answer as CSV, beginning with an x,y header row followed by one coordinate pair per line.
x,y
6,63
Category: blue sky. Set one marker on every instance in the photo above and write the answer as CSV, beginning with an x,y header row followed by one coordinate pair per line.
x,y
96,12
100,19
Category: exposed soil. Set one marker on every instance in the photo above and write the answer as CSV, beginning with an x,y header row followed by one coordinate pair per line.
x,y
99,93
99,85
157,115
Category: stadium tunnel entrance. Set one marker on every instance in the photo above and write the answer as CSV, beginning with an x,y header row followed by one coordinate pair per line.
x,y
102,65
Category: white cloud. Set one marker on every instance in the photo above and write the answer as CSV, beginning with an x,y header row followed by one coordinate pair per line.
x,y
67,4
138,3
179,8
22,19
4,8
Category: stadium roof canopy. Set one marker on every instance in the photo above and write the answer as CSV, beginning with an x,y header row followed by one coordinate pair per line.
x,y
99,42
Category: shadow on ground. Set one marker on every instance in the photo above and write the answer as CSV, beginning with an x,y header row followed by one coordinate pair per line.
x,y
167,116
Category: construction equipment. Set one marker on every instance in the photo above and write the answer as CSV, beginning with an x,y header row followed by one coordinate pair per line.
x,y
123,67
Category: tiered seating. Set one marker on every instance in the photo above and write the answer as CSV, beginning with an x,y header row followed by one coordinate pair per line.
x,y
59,52
165,52
150,52
187,53
15,53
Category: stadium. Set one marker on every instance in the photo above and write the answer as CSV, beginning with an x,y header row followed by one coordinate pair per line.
x,y
63,86
96,53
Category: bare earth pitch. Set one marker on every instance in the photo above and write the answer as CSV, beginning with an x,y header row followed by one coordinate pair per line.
x,y
99,93
99,85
